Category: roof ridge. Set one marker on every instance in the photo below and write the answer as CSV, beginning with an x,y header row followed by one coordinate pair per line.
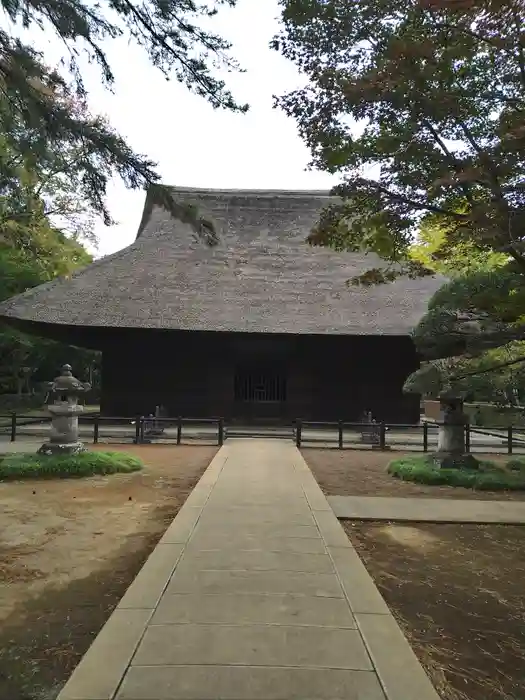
x,y
252,192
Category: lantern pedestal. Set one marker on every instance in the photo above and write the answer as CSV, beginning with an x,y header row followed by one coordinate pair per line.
x,y
64,431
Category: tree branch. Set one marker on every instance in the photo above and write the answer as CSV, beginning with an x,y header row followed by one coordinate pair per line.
x,y
517,257
495,188
472,34
150,28
412,203
494,368
519,47
451,157
63,168
484,157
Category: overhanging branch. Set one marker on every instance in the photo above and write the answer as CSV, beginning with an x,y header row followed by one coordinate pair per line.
x,y
413,203
494,368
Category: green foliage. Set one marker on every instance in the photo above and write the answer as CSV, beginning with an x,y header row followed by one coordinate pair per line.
x,y
433,101
33,466
491,415
169,31
480,291
37,254
429,380
436,107
28,404
478,321
435,251
486,477
44,113
496,376
419,109
56,158
30,254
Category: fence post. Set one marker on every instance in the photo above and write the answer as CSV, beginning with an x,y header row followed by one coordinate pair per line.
x,y
142,421
13,426
298,429
179,430
382,435
340,426
467,437
95,431
221,431
425,437
137,430
509,440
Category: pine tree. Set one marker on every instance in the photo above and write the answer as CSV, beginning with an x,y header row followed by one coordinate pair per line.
x,y
44,110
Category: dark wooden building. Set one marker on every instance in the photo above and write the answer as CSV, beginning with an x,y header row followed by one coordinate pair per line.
x,y
261,327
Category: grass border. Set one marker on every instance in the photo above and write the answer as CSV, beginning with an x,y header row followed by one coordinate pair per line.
x,y
487,477
19,465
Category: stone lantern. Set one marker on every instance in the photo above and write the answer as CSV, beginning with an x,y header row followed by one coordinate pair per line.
x,y
64,410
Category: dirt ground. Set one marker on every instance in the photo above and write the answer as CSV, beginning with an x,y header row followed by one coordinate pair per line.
x,y
457,592
68,551
363,473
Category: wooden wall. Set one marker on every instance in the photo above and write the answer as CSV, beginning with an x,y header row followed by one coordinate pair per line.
x,y
192,374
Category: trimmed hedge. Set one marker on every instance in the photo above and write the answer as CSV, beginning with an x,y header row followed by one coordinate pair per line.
x,y
487,477
34,466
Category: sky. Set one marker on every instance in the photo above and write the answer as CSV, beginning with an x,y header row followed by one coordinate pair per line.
x,y
193,144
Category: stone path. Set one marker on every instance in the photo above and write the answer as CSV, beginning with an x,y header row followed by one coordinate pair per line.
x,y
253,593
430,510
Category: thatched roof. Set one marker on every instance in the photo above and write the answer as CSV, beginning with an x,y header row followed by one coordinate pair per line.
x,y
262,277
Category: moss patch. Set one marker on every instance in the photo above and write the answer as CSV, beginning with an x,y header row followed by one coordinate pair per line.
x,y
34,466
488,476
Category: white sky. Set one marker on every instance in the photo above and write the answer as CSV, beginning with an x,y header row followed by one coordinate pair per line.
x,y
193,144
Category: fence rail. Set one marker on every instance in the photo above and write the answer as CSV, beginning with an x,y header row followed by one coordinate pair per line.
x,y
386,436
140,430
336,434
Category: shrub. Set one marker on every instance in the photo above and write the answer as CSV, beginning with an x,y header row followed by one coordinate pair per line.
x,y
14,402
34,466
486,477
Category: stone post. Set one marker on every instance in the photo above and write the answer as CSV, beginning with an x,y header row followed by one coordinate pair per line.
x,y
64,390
451,451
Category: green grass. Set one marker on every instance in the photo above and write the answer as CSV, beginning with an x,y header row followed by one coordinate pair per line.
x,y
34,466
487,477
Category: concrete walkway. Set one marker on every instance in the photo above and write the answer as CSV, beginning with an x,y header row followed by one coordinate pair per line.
x,y
428,510
253,593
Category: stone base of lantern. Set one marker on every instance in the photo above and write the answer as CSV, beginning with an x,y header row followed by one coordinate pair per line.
x,y
67,448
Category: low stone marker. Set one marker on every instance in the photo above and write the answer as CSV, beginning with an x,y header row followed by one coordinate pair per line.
x,y
370,433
